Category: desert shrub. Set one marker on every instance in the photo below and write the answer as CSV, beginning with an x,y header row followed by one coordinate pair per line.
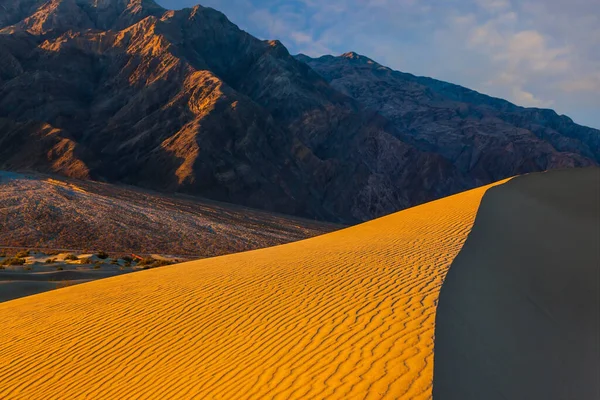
x,y
13,261
22,254
71,257
102,255
146,261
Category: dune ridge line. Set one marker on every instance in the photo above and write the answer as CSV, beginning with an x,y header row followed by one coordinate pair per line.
x,y
345,315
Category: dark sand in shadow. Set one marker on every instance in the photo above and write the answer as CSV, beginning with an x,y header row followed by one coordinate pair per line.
x,y
519,312
14,285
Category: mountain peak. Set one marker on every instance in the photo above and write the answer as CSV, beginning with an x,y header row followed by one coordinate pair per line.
x,y
40,17
357,58
303,57
124,91
352,55
118,3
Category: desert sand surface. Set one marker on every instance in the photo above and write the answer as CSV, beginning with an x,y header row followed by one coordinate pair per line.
x,y
347,315
48,212
519,312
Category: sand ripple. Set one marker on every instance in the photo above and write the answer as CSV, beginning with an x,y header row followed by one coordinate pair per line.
x,y
348,315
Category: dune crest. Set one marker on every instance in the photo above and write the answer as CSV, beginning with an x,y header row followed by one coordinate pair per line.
x,y
519,312
345,315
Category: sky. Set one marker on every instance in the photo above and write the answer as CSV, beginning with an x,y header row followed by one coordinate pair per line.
x,y
535,53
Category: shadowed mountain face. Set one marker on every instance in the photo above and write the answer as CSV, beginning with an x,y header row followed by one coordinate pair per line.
x,y
483,137
126,91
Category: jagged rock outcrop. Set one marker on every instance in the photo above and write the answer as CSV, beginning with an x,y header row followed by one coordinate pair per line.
x,y
126,91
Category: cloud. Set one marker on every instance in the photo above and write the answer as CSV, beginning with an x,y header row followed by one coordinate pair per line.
x,y
520,57
589,83
493,5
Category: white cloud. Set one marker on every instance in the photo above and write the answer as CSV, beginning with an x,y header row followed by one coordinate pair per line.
x,y
520,61
528,99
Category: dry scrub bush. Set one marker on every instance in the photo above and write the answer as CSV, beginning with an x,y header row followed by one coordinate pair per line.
x,y
13,261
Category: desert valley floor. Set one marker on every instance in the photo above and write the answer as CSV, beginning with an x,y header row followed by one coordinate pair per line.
x,y
346,315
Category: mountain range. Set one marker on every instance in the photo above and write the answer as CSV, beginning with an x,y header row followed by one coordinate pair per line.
x,y
184,101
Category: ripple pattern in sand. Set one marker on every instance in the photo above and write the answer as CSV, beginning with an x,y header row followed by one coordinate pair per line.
x,y
348,315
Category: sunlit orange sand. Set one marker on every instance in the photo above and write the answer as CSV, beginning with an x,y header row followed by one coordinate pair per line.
x,y
348,315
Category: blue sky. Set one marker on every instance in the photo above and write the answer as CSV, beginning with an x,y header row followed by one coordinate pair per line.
x,y
538,53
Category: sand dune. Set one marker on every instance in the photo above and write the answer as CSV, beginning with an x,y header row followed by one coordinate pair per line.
x,y
348,315
519,313
345,315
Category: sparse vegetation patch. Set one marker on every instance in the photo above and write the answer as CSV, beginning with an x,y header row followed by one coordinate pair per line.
x,y
146,261
13,261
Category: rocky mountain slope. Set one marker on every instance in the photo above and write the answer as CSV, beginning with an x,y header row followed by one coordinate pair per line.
x,y
483,137
52,213
126,91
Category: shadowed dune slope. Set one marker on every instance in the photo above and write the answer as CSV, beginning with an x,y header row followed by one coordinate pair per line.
x,y
348,315
14,289
519,312
14,285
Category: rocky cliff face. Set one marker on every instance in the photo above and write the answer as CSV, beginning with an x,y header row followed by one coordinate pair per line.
x,y
485,138
125,91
